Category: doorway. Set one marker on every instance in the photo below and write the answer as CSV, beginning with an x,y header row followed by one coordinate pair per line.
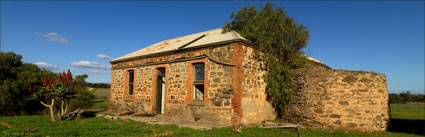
x,y
160,91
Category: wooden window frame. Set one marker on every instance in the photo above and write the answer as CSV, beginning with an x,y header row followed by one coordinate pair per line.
x,y
130,83
127,95
191,80
198,82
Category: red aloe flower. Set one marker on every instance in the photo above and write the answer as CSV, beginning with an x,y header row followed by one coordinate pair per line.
x,y
64,77
69,76
48,86
52,82
60,79
46,79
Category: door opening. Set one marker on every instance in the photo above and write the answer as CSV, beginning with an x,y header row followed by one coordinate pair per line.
x,y
160,90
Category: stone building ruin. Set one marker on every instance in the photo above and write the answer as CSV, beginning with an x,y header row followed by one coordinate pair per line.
x,y
212,76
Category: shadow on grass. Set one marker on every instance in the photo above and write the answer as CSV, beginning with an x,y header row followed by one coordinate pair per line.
x,y
407,126
98,101
88,114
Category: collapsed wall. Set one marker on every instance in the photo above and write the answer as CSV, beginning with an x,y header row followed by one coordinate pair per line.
x,y
339,99
255,106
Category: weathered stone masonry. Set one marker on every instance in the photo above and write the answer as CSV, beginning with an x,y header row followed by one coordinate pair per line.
x,y
222,84
255,106
235,89
340,99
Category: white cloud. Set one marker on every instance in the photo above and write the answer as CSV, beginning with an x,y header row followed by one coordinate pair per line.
x,y
45,66
95,72
52,37
89,64
103,56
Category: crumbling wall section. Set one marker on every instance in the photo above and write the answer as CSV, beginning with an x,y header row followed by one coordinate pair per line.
x,y
255,106
339,99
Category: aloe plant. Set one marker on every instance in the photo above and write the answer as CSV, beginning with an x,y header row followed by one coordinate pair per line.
x,y
62,90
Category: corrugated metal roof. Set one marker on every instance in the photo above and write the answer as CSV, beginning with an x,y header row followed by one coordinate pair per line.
x,y
189,41
211,36
313,59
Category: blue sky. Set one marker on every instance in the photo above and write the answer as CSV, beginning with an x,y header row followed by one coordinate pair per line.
x,y
381,36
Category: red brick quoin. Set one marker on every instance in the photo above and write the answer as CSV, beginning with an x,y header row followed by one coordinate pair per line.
x,y
237,84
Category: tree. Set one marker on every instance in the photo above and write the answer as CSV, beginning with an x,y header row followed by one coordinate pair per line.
x,y
65,91
61,90
9,91
16,78
21,88
394,98
83,99
45,94
8,61
406,97
80,80
98,85
278,41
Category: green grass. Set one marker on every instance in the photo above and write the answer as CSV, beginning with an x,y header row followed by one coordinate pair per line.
x,y
100,103
102,98
102,93
410,119
407,118
408,111
103,127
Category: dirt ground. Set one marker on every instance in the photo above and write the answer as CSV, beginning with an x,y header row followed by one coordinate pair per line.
x,y
163,120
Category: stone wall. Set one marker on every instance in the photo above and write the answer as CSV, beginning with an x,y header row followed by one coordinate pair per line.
x,y
217,106
340,99
141,100
117,90
235,91
255,106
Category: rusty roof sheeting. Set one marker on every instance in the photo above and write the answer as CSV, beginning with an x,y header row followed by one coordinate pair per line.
x,y
190,41
211,36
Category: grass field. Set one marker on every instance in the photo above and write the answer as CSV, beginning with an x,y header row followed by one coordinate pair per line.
x,y
100,103
39,125
101,93
409,122
102,98
408,111
408,118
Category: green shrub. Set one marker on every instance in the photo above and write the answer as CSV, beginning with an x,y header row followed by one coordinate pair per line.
x,y
83,99
405,97
16,78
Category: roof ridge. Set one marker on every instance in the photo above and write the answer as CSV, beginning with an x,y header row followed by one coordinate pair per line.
x,y
191,34
190,42
187,41
233,34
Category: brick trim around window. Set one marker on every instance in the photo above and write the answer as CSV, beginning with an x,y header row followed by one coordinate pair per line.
x,y
189,82
126,84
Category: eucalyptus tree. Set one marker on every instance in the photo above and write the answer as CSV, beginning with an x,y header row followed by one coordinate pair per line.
x,y
278,41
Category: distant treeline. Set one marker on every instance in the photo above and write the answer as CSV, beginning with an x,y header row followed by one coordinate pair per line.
x,y
92,85
98,85
406,97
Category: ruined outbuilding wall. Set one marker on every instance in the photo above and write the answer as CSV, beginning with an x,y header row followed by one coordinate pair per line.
x,y
255,106
339,99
